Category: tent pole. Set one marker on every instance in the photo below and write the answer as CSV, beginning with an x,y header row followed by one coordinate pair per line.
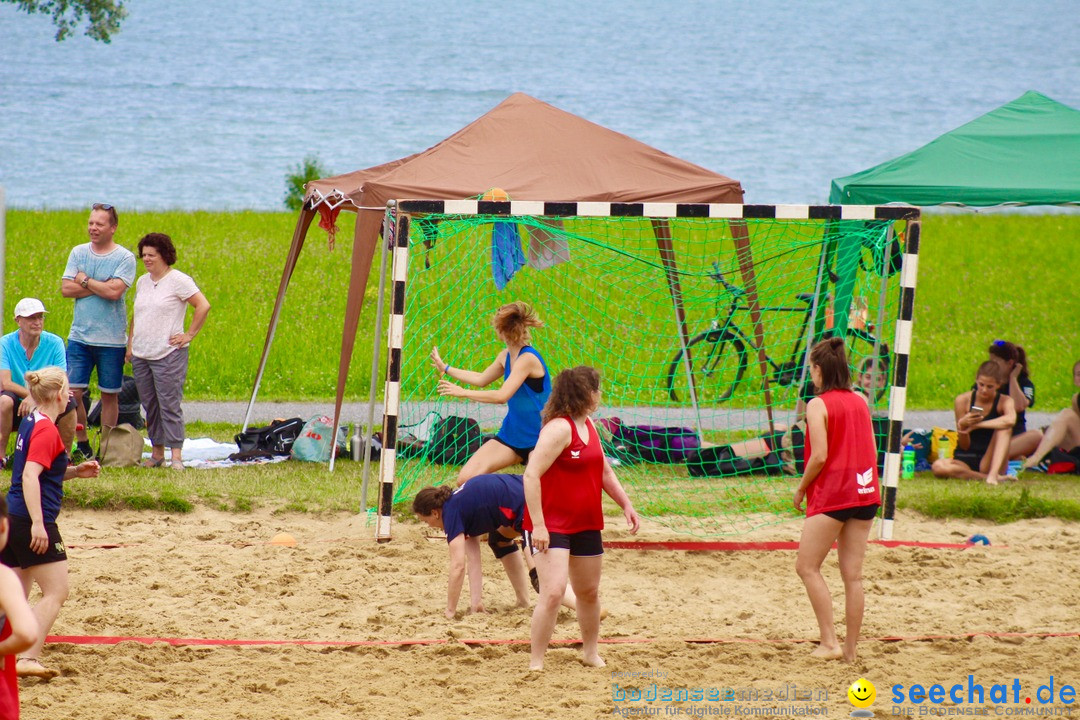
x,y
813,318
303,222
745,258
365,238
387,233
662,231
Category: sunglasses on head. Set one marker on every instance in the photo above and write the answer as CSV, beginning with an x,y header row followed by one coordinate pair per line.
x,y
999,343
102,206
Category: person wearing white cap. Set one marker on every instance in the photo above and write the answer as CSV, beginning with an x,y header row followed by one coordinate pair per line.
x,y
31,347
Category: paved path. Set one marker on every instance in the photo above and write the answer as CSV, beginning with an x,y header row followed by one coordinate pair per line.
x,y
233,412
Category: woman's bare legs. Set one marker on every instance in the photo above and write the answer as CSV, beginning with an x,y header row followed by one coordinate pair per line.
x,y
1064,431
851,547
818,534
491,457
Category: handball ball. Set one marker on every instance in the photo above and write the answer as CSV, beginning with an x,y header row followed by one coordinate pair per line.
x,y
496,195
979,540
284,540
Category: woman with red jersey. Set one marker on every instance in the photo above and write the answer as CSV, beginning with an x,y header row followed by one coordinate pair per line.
x,y
840,486
564,510
35,550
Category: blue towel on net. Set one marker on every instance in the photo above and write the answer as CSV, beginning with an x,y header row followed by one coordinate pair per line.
x,y
506,255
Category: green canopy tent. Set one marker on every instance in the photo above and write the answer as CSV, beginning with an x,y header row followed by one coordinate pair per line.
x,y
1026,152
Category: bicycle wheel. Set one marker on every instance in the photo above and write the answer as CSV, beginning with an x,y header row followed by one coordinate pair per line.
x,y
718,362
860,347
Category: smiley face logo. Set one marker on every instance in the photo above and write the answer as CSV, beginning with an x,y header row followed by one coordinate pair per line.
x,y
862,693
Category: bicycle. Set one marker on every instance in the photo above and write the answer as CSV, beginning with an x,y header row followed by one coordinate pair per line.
x,y
719,356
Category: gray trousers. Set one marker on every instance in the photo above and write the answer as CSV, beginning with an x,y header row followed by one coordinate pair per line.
x,y
161,390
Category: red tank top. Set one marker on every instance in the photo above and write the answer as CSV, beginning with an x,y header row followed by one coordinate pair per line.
x,y
850,476
9,683
570,490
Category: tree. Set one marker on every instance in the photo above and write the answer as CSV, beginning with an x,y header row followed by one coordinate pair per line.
x,y
103,16
300,175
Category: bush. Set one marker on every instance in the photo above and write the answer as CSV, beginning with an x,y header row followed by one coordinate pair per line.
x,y
300,175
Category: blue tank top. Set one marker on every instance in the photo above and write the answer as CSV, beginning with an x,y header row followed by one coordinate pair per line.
x,y
521,426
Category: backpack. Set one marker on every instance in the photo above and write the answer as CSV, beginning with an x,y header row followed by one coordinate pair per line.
x,y
655,443
316,440
453,440
121,446
128,401
276,438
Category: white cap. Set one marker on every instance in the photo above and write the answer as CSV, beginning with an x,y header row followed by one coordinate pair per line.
x,y
28,307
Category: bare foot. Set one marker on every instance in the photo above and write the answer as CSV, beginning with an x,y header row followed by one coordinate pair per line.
x,y
827,652
32,667
849,657
594,661
992,480
536,666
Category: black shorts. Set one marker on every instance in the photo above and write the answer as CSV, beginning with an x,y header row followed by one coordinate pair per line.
x,y
587,543
16,419
522,453
17,553
500,545
863,512
969,458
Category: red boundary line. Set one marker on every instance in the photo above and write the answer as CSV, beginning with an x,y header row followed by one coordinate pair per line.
x,y
772,545
116,640
720,545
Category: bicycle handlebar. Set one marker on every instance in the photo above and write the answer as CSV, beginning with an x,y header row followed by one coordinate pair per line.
x,y
718,276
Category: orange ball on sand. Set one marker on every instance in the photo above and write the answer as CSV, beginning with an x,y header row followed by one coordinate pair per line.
x,y
496,195
284,540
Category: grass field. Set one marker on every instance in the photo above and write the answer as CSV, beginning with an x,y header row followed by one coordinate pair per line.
x,y
981,277
307,487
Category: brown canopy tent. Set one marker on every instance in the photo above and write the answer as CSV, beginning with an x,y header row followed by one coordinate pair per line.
x,y
530,149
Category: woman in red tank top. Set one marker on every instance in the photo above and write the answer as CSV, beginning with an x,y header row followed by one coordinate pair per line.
x,y
564,513
840,486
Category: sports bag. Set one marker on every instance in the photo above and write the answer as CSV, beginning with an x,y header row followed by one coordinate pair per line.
x,y
721,461
316,440
276,438
453,440
121,446
657,444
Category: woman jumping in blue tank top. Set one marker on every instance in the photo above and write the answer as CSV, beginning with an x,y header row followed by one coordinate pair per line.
x,y
525,388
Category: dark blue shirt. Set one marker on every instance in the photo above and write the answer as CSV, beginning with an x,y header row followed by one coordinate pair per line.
x,y
483,505
39,441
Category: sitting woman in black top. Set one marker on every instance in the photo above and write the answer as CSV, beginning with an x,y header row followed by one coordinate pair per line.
x,y
984,420
1064,431
1012,362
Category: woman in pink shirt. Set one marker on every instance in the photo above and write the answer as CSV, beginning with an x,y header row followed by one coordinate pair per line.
x,y
158,344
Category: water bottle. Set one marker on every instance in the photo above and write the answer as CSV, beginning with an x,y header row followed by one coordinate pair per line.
x,y
907,464
945,447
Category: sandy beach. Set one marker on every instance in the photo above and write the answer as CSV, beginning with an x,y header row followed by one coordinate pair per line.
x,y
379,646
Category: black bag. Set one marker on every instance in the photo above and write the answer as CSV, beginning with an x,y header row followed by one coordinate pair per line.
x,y
453,440
127,399
276,438
722,462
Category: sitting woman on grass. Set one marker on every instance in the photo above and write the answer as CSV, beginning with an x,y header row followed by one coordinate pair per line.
x,y
1064,431
1012,363
984,421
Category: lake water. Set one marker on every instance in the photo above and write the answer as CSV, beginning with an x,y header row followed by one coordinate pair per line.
x,y
208,105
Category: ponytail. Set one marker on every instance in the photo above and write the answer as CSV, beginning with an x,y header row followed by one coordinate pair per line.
x,y
430,499
831,358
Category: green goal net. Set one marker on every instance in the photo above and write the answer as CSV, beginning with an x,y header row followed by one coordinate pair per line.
x,y
699,327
